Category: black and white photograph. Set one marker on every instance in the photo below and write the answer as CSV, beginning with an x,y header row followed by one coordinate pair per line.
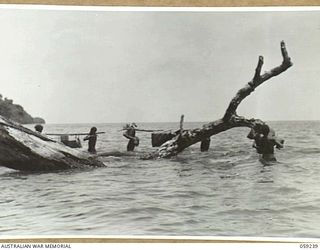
x,y
118,121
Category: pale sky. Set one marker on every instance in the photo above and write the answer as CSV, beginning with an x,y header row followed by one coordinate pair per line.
x,y
71,66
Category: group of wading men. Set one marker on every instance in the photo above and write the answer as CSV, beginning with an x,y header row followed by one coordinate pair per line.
x,y
129,133
264,140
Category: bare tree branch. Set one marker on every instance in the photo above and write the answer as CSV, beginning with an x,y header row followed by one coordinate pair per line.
x,y
230,118
257,80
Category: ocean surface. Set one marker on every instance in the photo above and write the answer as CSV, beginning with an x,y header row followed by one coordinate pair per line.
x,y
223,192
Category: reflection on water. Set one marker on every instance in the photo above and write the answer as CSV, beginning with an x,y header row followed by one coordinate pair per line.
x,y
223,192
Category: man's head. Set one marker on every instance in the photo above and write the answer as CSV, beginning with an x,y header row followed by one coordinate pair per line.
x,y
93,130
38,128
265,130
261,129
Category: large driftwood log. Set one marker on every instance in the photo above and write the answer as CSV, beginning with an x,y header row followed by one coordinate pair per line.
x,y
26,150
186,138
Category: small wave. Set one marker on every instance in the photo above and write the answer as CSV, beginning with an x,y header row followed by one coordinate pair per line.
x,y
159,231
222,164
197,207
8,230
65,216
6,201
251,212
145,210
140,218
241,153
233,176
191,194
305,208
306,151
288,190
123,165
265,181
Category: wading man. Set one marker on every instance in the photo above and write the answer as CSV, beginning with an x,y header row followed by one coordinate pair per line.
x,y
130,133
264,142
92,139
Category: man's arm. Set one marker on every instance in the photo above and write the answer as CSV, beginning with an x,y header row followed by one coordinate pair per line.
x,y
126,134
278,142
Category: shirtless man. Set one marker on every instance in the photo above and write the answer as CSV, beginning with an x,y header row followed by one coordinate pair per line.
x,y
130,133
264,141
205,144
92,139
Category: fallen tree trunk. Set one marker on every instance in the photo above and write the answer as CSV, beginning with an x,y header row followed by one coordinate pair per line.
x,y
26,150
186,138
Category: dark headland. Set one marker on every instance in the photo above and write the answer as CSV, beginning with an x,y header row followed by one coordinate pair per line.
x,y
16,112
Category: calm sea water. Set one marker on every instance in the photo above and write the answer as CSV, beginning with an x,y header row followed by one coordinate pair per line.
x,y
223,192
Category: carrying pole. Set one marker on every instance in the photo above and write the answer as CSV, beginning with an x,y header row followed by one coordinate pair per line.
x,y
75,134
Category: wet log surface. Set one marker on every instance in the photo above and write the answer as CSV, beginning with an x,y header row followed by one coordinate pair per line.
x,y
186,138
25,150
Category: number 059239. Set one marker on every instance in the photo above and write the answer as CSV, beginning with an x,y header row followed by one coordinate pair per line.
x,y
309,245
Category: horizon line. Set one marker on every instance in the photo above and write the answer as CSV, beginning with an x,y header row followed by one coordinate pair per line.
x,y
66,123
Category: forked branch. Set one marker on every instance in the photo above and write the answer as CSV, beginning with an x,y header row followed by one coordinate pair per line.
x,y
186,138
257,80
